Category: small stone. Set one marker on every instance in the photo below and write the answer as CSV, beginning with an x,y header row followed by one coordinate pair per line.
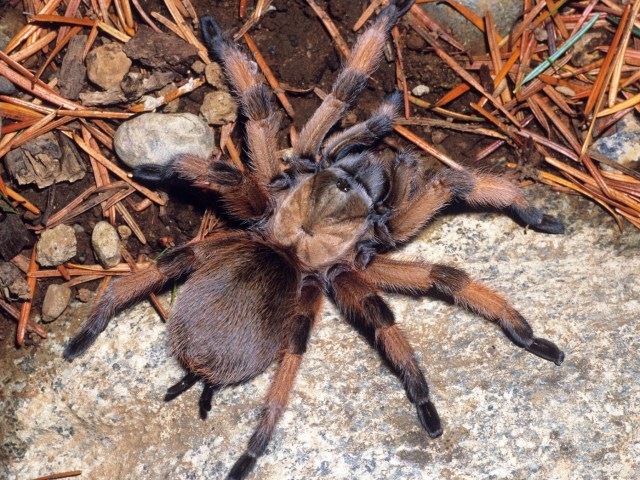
x,y
106,244
78,228
8,273
215,76
585,50
157,138
415,42
124,231
55,302
6,87
107,65
219,108
420,90
84,295
56,246
198,67
541,34
20,289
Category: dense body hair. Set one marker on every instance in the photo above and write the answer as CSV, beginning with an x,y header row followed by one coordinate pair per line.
x,y
323,226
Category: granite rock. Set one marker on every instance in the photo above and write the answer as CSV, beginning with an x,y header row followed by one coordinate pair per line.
x,y
156,138
106,244
506,413
55,301
56,246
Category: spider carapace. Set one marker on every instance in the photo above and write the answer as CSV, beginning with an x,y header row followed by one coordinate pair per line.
x,y
323,226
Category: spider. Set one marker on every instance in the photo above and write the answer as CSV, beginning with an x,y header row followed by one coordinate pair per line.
x,y
323,226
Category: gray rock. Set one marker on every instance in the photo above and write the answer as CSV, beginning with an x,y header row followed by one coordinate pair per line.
x,y
55,302
56,246
106,244
107,65
623,146
219,108
6,87
506,414
505,14
156,138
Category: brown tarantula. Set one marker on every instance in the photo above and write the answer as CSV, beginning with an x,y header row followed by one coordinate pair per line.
x,y
322,226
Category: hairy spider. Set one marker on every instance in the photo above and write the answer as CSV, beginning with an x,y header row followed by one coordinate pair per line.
x,y
324,226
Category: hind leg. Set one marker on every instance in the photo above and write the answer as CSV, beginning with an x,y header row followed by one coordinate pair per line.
x,y
127,291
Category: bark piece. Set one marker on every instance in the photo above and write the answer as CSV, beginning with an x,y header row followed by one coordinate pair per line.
x,y
73,73
14,236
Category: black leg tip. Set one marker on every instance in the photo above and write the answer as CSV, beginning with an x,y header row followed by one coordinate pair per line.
x,y
549,224
152,173
547,350
429,419
211,33
403,6
242,467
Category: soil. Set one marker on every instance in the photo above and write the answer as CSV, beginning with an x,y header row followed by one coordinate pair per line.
x,y
302,55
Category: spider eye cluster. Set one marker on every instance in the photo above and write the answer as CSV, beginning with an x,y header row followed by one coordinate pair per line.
x,y
343,185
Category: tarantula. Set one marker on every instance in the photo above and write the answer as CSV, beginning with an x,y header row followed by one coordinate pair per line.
x,y
322,226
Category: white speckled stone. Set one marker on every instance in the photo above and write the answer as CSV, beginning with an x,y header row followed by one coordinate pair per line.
x,y
506,413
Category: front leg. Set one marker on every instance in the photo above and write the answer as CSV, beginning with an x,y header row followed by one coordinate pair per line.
x,y
417,278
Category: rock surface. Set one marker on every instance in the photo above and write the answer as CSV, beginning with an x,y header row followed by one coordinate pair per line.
x,y
107,65
56,246
623,146
55,301
106,244
506,413
6,87
156,138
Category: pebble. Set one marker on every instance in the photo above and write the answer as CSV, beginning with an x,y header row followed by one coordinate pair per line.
x,y
198,67
84,295
6,87
215,76
106,244
124,231
420,90
55,302
56,246
107,65
219,108
415,42
157,138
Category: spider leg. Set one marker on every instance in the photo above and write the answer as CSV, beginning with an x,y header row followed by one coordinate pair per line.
x,y
363,60
364,134
188,381
413,210
282,383
416,278
127,291
255,101
243,196
363,307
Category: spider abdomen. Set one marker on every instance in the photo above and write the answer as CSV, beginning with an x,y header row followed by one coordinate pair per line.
x,y
227,325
